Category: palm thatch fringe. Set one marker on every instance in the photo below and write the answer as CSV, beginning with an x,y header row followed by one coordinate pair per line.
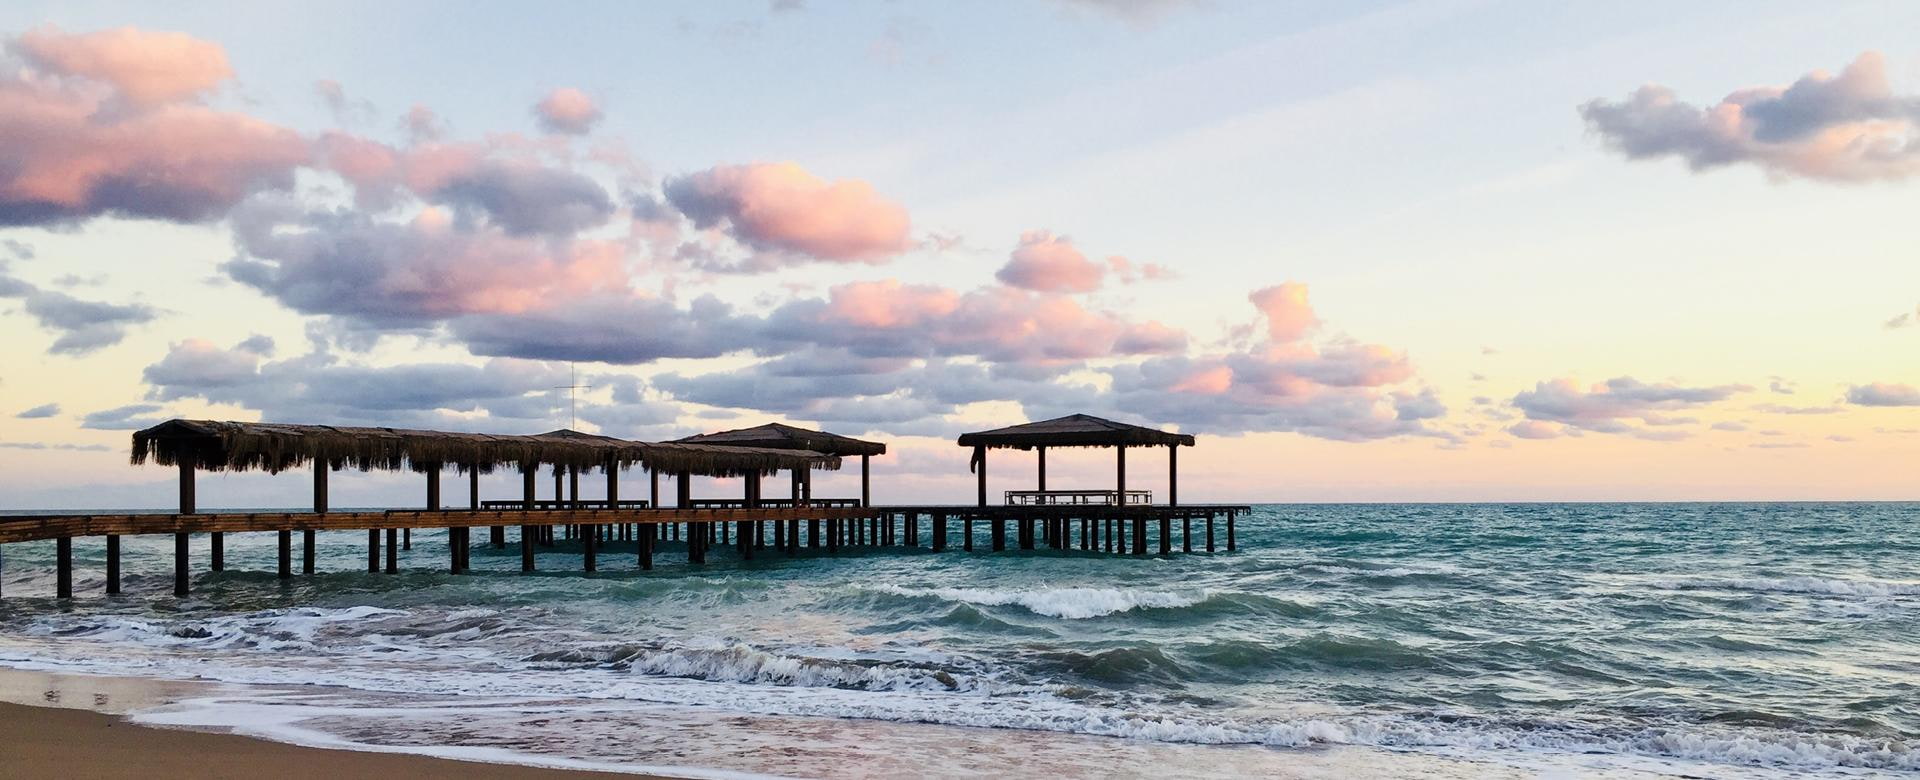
x,y
276,447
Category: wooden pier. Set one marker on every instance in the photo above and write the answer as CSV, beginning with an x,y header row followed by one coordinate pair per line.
x,y
751,524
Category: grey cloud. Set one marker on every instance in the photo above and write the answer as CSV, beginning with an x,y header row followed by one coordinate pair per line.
x,y
1849,127
39,412
1883,394
123,418
81,326
529,199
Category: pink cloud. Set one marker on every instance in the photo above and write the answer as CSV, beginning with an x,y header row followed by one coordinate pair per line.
x,y
1289,315
567,110
64,157
1044,262
889,304
781,206
146,67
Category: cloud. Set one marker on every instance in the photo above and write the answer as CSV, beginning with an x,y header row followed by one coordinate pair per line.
x,y
528,199
123,418
891,319
67,446
619,329
1849,127
39,412
1289,316
1535,429
380,273
1903,320
146,67
567,110
319,387
106,123
82,326
1611,406
1139,13
1784,409
782,207
1883,394
1044,262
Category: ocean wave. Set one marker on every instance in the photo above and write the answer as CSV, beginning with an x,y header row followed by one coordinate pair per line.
x,y
1066,603
1815,585
736,662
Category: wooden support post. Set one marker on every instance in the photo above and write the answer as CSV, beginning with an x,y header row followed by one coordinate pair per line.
x,y
588,558
306,551
866,481
393,551
966,533
1042,482
406,538
939,532
980,468
180,540
527,532
373,551
1173,475
653,494
1140,536
286,555
113,564
1230,543
646,546
179,564
1209,532
613,484
1120,469
1186,533
1166,535
63,567
998,532
217,542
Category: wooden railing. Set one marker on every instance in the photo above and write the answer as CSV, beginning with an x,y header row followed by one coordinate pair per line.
x,y
1079,497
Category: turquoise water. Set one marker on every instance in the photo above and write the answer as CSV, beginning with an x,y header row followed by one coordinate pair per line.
x,y
1686,639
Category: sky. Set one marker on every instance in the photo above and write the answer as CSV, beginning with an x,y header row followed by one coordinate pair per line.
x,y
1449,250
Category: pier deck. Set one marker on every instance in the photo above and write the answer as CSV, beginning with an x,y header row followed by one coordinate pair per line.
x,y
779,529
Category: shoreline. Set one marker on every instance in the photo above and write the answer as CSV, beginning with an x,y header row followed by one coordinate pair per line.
x,y
66,725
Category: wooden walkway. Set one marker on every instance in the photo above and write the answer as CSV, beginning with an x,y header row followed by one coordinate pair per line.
x,y
1087,528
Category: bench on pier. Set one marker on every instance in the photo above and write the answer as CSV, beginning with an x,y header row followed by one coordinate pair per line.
x,y
736,503
1079,497
553,505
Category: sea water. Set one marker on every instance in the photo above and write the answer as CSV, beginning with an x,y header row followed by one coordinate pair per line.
x,y
1713,639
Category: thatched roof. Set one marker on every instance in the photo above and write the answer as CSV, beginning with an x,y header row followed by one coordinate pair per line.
x,y
275,447
787,437
1074,430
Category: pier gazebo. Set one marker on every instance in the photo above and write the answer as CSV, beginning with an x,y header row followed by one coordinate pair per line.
x,y
786,437
1078,430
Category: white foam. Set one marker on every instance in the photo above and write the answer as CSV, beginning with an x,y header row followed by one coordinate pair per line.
x,y
1815,585
1067,603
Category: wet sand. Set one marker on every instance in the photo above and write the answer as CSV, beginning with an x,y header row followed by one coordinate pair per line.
x,y
67,726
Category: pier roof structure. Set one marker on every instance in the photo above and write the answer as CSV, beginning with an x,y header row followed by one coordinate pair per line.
x,y
1074,430
778,436
275,447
